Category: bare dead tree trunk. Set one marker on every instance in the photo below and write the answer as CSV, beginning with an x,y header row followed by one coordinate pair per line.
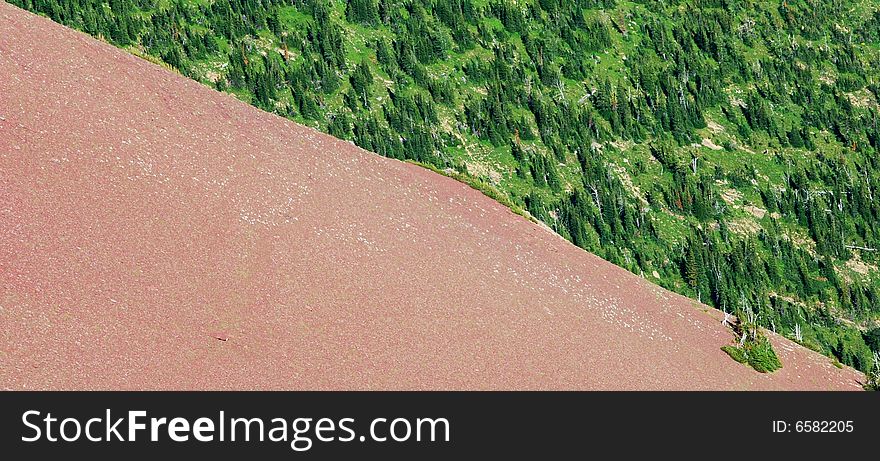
x,y
856,247
596,197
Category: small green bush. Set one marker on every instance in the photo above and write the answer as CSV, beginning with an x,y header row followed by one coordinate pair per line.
x,y
753,348
736,354
872,377
761,355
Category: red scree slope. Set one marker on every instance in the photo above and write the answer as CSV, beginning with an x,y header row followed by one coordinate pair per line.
x,y
157,234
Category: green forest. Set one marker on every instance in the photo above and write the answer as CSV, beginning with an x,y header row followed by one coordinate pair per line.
x,y
728,150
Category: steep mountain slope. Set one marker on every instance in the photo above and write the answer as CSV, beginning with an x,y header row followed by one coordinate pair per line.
x,y
157,234
724,149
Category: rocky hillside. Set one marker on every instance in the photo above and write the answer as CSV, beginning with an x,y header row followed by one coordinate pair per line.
x,y
158,234
724,149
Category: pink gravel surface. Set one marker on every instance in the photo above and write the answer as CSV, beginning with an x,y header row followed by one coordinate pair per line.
x,y
156,234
